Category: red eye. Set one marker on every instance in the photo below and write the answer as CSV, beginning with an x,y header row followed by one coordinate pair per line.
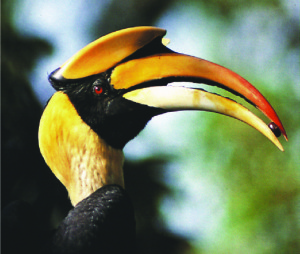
x,y
98,89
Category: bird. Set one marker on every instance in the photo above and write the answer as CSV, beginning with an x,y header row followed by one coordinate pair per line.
x,y
105,95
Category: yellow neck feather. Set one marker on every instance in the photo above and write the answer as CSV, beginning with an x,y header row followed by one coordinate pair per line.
x,y
79,158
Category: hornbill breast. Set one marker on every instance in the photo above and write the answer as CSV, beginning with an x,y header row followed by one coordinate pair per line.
x,y
102,223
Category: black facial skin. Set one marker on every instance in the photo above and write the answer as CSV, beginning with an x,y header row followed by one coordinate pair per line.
x,y
112,117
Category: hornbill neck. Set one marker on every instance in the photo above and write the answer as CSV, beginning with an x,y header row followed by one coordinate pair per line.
x,y
78,157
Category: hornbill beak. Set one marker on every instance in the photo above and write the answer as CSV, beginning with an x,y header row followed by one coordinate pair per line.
x,y
139,66
109,90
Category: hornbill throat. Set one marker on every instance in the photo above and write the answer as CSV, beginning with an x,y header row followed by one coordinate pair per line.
x,y
110,89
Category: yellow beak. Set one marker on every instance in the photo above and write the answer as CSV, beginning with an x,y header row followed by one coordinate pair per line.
x,y
139,65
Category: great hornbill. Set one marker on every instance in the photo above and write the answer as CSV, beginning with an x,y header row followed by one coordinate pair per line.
x,y
106,94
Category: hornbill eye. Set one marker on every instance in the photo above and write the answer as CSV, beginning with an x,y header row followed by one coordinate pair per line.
x,y
98,87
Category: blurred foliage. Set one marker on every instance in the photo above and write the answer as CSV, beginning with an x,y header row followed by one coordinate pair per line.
x,y
122,14
262,193
143,180
227,8
261,184
20,110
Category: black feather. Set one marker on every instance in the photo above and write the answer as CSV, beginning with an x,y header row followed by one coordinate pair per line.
x,y
102,223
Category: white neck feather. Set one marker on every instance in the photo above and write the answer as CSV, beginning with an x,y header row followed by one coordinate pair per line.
x,y
78,157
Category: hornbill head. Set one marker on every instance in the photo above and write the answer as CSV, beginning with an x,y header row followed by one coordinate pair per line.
x,y
110,89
